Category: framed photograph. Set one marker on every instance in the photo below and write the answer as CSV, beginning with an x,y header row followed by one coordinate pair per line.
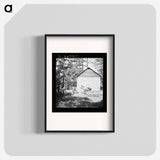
x,y
79,83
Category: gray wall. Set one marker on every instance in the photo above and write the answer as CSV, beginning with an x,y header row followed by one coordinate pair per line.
x,y
134,29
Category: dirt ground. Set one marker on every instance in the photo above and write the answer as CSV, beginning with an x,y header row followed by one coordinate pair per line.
x,y
81,100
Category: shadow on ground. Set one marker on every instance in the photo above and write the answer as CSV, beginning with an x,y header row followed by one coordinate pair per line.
x,y
69,101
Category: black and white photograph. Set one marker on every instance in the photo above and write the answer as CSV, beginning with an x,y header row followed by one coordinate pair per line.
x,y
79,82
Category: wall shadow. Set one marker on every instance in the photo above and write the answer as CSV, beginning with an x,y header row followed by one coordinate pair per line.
x,y
39,85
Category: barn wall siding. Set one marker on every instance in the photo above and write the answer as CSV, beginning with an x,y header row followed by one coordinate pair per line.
x,y
91,82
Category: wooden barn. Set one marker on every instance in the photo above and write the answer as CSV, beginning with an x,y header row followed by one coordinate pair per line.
x,y
88,80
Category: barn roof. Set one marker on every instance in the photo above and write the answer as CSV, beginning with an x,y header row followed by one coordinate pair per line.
x,y
88,72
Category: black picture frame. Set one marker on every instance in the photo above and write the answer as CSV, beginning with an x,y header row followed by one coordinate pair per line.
x,y
113,91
